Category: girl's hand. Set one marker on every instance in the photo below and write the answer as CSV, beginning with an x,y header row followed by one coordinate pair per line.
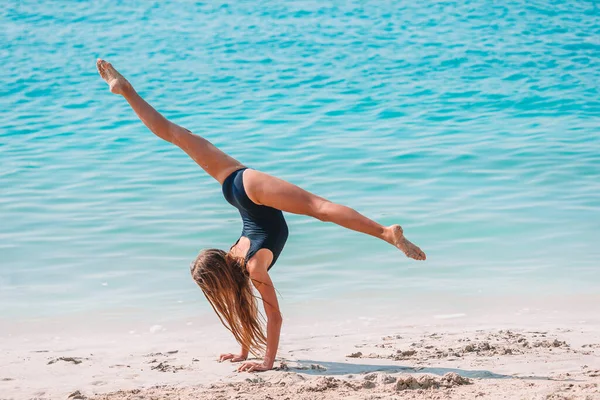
x,y
250,366
232,357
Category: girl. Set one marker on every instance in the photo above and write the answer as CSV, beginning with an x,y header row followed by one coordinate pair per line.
x,y
225,277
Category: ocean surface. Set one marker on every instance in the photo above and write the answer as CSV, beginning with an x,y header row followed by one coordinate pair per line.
x,y
474,124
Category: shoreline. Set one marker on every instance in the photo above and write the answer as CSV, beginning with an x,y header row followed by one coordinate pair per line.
x,y
413,309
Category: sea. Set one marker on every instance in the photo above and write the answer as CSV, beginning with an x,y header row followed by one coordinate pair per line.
x,y
474,124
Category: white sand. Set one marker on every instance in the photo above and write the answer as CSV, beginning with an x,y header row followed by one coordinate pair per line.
x,y
530,356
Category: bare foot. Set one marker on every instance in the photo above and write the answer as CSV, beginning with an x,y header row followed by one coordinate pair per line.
x,y
118,84
396,237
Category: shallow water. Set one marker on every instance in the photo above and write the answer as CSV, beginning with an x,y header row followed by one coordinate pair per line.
x,y
473,125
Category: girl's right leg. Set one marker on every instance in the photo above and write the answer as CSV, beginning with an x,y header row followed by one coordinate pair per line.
x,y
274,192
215,162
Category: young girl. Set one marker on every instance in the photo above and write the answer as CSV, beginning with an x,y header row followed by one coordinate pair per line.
x,y
225,277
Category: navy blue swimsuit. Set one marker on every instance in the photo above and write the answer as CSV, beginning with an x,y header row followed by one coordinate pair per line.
x,y
264,226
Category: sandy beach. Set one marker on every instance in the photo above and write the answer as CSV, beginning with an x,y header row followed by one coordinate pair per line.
x,y
448,357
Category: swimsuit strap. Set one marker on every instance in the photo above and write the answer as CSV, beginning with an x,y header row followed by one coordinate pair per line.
x,y
254,248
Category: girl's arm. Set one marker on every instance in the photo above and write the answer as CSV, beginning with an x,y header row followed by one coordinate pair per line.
x,y
262,281
243,355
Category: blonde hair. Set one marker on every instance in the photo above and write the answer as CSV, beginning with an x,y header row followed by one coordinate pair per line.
x,y
226,285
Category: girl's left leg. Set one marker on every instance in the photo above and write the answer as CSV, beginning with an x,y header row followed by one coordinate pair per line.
x,y
215,162
274,192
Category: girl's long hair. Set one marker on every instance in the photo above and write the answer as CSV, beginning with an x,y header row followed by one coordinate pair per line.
x,y
226,285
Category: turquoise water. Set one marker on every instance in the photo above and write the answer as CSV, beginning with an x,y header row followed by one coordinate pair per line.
x,y
473,124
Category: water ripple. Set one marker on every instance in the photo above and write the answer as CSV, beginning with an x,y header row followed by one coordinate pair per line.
x,y
475,126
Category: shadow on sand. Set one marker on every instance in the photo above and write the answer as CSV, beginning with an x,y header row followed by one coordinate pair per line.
x,y
339,368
